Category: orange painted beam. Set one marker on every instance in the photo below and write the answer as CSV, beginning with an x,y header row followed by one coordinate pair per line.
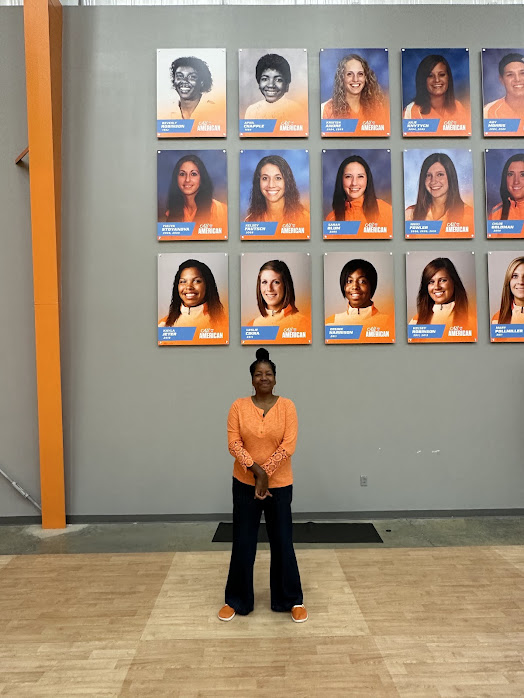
x,y
43,58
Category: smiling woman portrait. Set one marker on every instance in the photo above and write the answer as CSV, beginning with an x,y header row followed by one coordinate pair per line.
x,y
191,78
511,206
442,298
273,75
276,297
511,310
435,92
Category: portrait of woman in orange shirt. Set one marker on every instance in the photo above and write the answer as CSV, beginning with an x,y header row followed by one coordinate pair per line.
x,y
511,206
512,299
262,434
442,298
276,297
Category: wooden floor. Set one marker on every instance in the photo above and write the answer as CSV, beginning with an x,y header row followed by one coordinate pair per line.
x,y
418,622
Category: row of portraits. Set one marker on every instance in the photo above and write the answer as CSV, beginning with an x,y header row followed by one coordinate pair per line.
x,y
354,92
356,194
359,300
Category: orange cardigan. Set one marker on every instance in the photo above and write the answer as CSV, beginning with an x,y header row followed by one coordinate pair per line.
x,y
269,441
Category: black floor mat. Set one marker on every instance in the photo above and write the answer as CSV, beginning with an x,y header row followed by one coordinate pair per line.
x,y
312,533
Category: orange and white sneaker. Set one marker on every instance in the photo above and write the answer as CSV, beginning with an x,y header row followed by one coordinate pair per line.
x,y
226,613
299,614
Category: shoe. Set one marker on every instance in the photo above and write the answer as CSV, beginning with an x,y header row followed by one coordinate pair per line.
x,y
299,614
226,613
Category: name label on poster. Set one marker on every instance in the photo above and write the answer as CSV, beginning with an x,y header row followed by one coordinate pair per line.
x,y
423,228
262,332
501,125
421,125
174,125
341,227
176,334
506,331
343,331
175,229
426,331
257,125
258,228
341,126
505,227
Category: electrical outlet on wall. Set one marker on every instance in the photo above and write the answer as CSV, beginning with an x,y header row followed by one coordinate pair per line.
x,y
363,480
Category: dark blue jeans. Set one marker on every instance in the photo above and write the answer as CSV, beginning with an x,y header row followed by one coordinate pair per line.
x,y
286,590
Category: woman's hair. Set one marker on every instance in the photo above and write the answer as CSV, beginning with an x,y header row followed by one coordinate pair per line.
x,y
262,358
281,268
369,272
506,299
272,61
504,192
425,302
257,203
422,96
339,195
454,203
204,195
371,95
214,306
199,66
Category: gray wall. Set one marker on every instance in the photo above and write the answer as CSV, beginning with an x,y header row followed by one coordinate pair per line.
x,y
433,427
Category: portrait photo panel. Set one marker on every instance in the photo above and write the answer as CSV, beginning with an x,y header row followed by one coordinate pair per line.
x,y
354,92
506,295
273,93
191,93
503,91
435,92
441,296
191,195
359,298
274,195
276,298
438,194
505,193
193,304
356,194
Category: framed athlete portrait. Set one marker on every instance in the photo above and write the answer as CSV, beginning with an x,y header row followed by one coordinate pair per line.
x,y
441,296
273,93
435,92
356,194
438,194
359,298
191,93
193,305
276,298
503,91
354,92
506,295
274,195
504,193
191,195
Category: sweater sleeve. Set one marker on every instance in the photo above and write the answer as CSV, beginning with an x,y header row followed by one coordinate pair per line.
x,y
234,440
289,441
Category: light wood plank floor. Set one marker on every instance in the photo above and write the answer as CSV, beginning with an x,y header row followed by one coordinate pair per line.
x,y
403,623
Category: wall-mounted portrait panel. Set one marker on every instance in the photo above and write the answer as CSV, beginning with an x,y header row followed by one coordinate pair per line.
x,y
435,92
273,93
441,297
506,295
274,195
193,305
191,93
276,298
354,92
503,91
505,193
356,194
191,195
359,298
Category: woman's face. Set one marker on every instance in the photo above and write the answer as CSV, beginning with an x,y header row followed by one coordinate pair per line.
x,y
188,178
354,77
263,378
192,287
437,81
187,83
516,285
354,180
272,184
358,290
515,180
272,289
437,181
441,287
272,85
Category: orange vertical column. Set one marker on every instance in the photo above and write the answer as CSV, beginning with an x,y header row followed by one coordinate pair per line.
x,y
43,58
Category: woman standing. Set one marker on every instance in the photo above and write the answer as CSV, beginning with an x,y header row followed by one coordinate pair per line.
x,y
262,433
